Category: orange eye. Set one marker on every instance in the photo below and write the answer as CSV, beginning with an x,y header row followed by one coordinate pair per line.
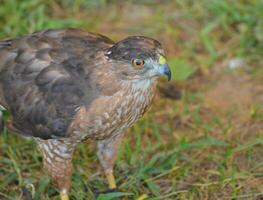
x,y
137,62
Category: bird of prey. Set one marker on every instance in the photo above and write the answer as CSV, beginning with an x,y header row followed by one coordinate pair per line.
x,y
64,86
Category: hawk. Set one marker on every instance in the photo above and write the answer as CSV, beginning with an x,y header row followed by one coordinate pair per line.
x,y
64,86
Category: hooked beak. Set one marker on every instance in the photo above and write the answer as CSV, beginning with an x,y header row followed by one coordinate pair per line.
x,y
163,68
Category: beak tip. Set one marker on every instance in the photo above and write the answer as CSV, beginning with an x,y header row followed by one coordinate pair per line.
x,y
167,72
169,75
164,70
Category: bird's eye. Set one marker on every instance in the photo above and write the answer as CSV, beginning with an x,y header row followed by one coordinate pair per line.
x,y
138,63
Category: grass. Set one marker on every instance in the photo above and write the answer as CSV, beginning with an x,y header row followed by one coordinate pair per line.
x,y
206,145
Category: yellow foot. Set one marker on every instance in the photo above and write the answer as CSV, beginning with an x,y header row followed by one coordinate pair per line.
x,y
142,197
111,179
64,196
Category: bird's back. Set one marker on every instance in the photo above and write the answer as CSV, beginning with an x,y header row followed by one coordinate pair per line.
x,y
46,76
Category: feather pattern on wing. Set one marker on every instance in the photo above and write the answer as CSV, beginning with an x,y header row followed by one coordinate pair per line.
x,y
47,76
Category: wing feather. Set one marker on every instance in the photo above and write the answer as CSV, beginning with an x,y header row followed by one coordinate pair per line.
x,y
44,79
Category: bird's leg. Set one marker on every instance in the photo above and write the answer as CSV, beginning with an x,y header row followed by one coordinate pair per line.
x,y
107,153
57,157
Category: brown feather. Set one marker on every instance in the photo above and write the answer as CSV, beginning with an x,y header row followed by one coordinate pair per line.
x,y
64,86
47,70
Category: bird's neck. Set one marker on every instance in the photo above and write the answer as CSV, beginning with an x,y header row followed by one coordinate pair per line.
x,y
143,85
140,91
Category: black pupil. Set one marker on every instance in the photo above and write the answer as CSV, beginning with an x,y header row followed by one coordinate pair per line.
x,y
138,62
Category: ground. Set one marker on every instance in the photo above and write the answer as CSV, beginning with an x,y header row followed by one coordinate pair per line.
x,y
202,138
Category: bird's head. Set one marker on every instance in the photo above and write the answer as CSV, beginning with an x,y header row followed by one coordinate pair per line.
x,y
138,57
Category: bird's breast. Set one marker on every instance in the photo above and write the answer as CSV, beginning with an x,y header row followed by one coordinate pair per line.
x,y
109,116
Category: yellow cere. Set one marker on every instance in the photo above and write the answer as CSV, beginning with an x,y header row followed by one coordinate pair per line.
x,y
162,60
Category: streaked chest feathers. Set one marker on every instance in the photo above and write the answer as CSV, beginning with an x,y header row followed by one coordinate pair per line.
x,y
111,115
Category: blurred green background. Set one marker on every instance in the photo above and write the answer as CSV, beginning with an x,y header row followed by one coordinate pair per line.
x,y
202,138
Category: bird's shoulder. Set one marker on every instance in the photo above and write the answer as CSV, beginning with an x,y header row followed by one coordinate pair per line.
x,y
69,37
57,44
